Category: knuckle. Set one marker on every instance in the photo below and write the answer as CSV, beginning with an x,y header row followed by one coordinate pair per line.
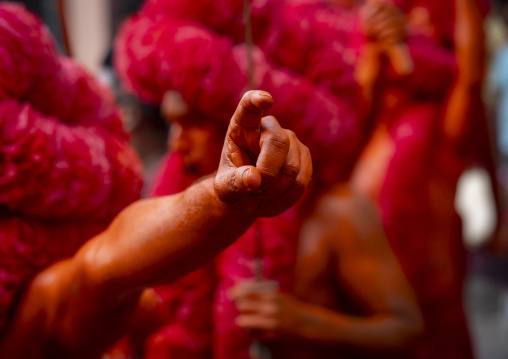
x,y
279,140
247,102
290,133
270,123
280,144
246,98
291,170
299,188
267,173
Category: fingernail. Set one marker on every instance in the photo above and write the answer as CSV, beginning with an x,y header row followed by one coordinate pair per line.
x,y
265,94
245,179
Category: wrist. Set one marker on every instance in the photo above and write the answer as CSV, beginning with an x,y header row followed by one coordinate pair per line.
x,y
300,319
308,322
238,205
237,211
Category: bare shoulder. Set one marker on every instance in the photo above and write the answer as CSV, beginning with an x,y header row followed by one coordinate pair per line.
x,y
351,221
342,219
343,228
342,203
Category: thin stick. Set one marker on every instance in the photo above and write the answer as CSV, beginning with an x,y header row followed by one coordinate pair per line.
x,y
258,269
63,27
248,42
258,264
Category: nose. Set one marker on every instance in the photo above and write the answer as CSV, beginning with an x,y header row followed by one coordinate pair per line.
x,y
178,141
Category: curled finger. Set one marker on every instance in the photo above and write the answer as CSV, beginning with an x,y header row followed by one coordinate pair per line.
x,y
289,171
274,143
295,191
261,307
252,321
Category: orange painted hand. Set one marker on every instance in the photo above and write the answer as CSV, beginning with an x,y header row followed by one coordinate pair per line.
x,y
264,168
383,22
264,311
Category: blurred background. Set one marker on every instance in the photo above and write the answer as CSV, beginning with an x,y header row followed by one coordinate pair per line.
x,y
92,26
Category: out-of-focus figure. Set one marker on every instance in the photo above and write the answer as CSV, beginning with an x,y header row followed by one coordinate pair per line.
x,y
78,306
152,57
425,144
163,49
68,285
351,298
498,80
66,166
498,102
421,118
196,312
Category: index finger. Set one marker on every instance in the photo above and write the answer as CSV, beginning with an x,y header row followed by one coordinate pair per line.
x,y
249,112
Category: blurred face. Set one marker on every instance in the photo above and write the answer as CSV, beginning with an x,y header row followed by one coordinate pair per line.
x,y
199,144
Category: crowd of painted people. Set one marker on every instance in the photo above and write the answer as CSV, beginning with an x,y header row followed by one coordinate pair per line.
x,y
369,263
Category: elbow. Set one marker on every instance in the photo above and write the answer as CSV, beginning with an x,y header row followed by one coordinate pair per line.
x,y
98,273
402,333
92,273
414,329
411,331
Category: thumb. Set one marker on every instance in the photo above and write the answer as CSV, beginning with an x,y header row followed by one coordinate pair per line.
x,y
234,183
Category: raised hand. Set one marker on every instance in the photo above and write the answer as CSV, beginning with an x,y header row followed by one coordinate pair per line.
x,y
264,168
265,311
385,25
383,22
